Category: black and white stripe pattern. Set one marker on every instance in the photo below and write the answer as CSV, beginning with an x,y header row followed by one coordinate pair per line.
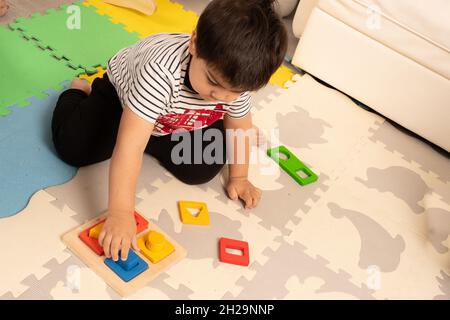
x,y
149,78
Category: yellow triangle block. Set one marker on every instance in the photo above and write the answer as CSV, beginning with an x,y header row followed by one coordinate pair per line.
x,y
186,217
95,231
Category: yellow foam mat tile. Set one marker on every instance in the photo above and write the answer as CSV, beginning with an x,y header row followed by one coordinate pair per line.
x,y
100,72
168,17
281,76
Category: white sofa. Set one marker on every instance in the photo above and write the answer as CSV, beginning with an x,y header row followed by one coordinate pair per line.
x,y
392,55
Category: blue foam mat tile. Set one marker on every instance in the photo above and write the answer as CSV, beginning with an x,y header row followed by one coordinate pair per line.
x,y
28,160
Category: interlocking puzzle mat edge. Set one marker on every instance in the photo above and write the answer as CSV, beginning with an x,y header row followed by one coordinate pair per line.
x,y
51,32
24,60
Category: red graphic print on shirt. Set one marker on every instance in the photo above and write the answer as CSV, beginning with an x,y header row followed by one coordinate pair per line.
x,y
189,120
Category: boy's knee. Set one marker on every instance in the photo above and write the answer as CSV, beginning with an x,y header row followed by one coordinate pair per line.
x,y
71,155
194,180
79,152
70,149
195,176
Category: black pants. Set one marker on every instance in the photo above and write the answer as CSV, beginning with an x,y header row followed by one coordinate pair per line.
x,y
85,127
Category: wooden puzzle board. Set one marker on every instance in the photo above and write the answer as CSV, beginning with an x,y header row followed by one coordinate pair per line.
x,y
96,262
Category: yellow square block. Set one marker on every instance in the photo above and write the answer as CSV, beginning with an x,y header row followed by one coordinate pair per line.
x,y
95,231
186,217
154,246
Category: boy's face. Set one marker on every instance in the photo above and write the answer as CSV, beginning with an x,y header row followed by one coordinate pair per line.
x,y
209,84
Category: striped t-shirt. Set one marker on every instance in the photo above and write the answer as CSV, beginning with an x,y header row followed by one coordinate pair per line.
x,y
151,78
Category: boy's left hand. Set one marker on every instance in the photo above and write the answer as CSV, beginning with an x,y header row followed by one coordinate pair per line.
x,y
245,190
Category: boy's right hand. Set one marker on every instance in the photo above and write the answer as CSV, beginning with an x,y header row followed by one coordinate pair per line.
x,y
118,234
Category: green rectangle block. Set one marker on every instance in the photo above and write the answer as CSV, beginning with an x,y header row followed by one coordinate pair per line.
x,y
292,165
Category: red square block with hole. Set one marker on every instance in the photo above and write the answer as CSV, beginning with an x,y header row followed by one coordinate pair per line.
x,y
224,256
92,243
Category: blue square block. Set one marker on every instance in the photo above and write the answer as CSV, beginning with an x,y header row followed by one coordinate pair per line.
x,y
129,269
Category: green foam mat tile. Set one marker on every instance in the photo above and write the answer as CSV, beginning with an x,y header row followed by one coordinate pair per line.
x,y
76,33
27,71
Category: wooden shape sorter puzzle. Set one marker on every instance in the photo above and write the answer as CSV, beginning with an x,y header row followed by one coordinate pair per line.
x,y
98,265
91,234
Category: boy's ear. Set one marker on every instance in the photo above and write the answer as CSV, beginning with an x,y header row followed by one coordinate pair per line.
x,y
192,47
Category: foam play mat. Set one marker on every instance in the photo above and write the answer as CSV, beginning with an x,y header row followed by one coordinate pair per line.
x,y
379,208
86,41
374,223
22,64
29,161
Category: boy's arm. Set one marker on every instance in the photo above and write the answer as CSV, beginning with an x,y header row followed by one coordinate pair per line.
x,y
119,231
238,184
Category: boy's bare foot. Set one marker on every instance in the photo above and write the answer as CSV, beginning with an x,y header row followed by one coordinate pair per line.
x,y
3,7
81,84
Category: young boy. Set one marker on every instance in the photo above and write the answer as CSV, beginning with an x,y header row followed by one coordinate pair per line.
x,y
165,82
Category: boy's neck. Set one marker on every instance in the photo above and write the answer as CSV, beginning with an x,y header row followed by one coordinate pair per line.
x,y
187,81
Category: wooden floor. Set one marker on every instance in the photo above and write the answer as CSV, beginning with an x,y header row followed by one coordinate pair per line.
x,y
24,8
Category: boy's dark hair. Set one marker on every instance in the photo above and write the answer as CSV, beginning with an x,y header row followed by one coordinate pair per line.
x,y
244,40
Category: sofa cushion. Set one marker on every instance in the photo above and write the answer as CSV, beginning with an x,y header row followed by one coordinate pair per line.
x,y
418,30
